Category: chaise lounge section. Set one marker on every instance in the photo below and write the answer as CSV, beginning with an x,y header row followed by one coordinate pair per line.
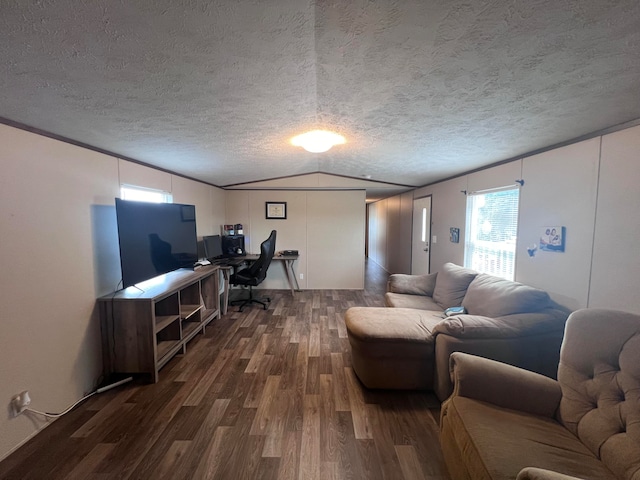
x,y
408,346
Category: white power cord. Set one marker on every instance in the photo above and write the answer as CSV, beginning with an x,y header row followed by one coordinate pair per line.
x,y
99,390
56,415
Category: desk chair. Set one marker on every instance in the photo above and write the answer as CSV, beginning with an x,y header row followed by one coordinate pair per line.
x,y
253,275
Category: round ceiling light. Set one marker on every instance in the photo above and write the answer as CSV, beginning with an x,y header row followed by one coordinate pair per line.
x,y
317,141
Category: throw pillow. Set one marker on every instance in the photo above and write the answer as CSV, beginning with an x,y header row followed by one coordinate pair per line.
x,y
451,285
412,284
496,297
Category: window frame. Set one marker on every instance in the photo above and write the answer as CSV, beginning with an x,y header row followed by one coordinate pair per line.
x,y
143,194
497,258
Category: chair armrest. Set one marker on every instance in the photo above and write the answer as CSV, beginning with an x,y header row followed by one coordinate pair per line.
x,y
532,473
412,284
503,385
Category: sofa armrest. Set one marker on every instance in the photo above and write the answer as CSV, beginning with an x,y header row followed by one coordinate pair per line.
x,y
412,284
503,385
510,326
532,473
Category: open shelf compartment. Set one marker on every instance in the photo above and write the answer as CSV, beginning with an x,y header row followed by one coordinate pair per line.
x,y
142,331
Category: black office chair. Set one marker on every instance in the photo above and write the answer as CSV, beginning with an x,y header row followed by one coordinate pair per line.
x,y
253,275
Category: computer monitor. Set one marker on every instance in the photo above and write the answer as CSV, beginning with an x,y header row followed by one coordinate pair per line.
x,y
212,246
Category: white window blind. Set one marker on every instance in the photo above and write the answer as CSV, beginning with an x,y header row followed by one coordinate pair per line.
x,y
492,228
128,192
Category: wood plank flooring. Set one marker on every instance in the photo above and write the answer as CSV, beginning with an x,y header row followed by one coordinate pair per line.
x,y
263,394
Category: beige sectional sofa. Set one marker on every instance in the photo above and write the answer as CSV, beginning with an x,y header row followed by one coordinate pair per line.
x,y
408,346
503,422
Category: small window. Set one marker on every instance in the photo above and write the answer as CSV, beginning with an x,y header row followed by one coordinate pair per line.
x,y
491,233
144,194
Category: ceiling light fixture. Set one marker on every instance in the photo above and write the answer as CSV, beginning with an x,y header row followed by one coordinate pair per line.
x,y
317,141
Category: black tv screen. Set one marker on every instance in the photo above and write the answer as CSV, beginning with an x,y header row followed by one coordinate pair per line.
x,y
155,238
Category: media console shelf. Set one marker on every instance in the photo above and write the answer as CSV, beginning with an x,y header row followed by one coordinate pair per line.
x,y
143,328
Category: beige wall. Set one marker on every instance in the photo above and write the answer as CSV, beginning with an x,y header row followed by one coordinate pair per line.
x,y
448,206
59,252
615,275
326,227
136,175
335,239
588,187
560,189
52,196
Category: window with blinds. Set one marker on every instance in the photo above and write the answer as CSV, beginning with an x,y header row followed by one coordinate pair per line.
x,y
139,194
492,228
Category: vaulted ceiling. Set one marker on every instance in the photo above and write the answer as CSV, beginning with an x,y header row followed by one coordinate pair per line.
x,y
422,90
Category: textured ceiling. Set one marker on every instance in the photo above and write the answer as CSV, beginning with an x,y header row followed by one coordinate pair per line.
x,y
422,90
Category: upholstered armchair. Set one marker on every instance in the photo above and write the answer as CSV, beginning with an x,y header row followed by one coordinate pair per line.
x,y
503,422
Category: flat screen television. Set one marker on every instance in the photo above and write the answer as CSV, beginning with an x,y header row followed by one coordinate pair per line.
x,y
155,238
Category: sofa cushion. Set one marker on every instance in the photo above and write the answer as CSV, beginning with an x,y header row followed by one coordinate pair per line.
x,y
400,300
497,442
389,332
391,347
451,285
491,296
510,326
412,284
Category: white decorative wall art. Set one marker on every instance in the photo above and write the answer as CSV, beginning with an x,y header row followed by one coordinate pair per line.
x,y
552,239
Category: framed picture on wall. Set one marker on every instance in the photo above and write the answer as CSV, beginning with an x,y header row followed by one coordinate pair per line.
x,y
552,239
276,210
454,235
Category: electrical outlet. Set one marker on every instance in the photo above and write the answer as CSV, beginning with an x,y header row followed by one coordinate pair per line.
x,y
20,402
302,276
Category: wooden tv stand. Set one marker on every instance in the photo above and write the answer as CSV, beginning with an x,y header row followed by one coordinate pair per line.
x,y
143,328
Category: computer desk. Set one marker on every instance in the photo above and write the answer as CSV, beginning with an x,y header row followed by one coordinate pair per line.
x,y
228,264
288,265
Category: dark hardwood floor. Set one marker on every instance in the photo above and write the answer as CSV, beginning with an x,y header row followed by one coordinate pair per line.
x,y
261,395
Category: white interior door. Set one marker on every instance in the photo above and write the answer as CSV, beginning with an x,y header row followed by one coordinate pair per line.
x,y
420,244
